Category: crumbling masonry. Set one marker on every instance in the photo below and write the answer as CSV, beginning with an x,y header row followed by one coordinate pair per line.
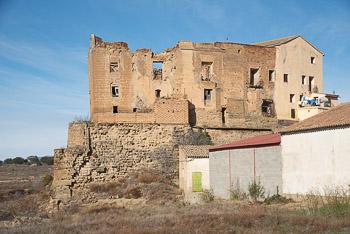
x,y
143,105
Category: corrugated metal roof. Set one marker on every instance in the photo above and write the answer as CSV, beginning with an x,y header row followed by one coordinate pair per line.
x,y
335,117
258,141
196,151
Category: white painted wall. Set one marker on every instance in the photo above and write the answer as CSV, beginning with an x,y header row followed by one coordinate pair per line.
x,y
195,165
315,160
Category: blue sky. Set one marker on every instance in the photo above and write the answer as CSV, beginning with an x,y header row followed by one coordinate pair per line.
x,y
44,44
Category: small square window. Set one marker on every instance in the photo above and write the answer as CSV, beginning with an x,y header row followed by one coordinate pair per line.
x,y
115,90
113,67
115,109
285,78
312,60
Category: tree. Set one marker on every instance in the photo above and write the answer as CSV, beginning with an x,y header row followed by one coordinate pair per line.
x,y
8,161
19,160
33,160
48,160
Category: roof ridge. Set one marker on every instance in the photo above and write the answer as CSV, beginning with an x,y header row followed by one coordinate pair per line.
x,y
281,38
334,117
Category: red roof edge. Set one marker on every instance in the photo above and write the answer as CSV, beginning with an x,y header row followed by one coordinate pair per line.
x,y
258,141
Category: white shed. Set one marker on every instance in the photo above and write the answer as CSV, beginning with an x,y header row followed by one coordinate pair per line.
x,y
316,152
193,170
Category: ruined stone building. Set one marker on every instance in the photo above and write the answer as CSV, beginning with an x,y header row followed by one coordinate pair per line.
x,y
144,105
220,84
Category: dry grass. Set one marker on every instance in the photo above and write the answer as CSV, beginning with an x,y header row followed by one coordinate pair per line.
x,y
146,183
163,213
216,217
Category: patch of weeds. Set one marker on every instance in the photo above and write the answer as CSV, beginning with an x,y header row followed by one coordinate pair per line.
x,y
236,194
207,196
47,179
148,176
256,191
132,192
277,199
331,202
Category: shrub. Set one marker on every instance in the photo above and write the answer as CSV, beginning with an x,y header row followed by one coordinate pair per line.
x,y
197,138
207,196
148,176
81,119
47,179
48,160
8,161
256,191
236,194
132,192
332,202
19,160
33,160
277,199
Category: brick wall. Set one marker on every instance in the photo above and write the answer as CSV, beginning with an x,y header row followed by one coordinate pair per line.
x,y
165,111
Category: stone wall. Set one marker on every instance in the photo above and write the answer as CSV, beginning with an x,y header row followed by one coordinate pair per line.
x,y
106,152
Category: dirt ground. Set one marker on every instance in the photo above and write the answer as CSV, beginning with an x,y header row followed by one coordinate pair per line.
x,y
24,212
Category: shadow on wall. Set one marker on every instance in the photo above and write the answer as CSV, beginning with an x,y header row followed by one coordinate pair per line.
x,y
192,114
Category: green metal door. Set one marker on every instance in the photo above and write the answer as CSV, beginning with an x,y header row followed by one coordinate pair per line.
x,y
197,181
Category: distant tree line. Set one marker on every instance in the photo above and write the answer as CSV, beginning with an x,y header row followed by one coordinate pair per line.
x,y
31,160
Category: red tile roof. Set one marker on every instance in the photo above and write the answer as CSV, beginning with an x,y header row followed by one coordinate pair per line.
x,y
258,141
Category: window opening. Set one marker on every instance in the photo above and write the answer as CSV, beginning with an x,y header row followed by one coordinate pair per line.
x,y
206,71
267,108
292,113
223,115
311,83
115,90
207,95
285,78
312,60
303,80
115,109
291,98
254,75
271,75
113,67
157,70
157,93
